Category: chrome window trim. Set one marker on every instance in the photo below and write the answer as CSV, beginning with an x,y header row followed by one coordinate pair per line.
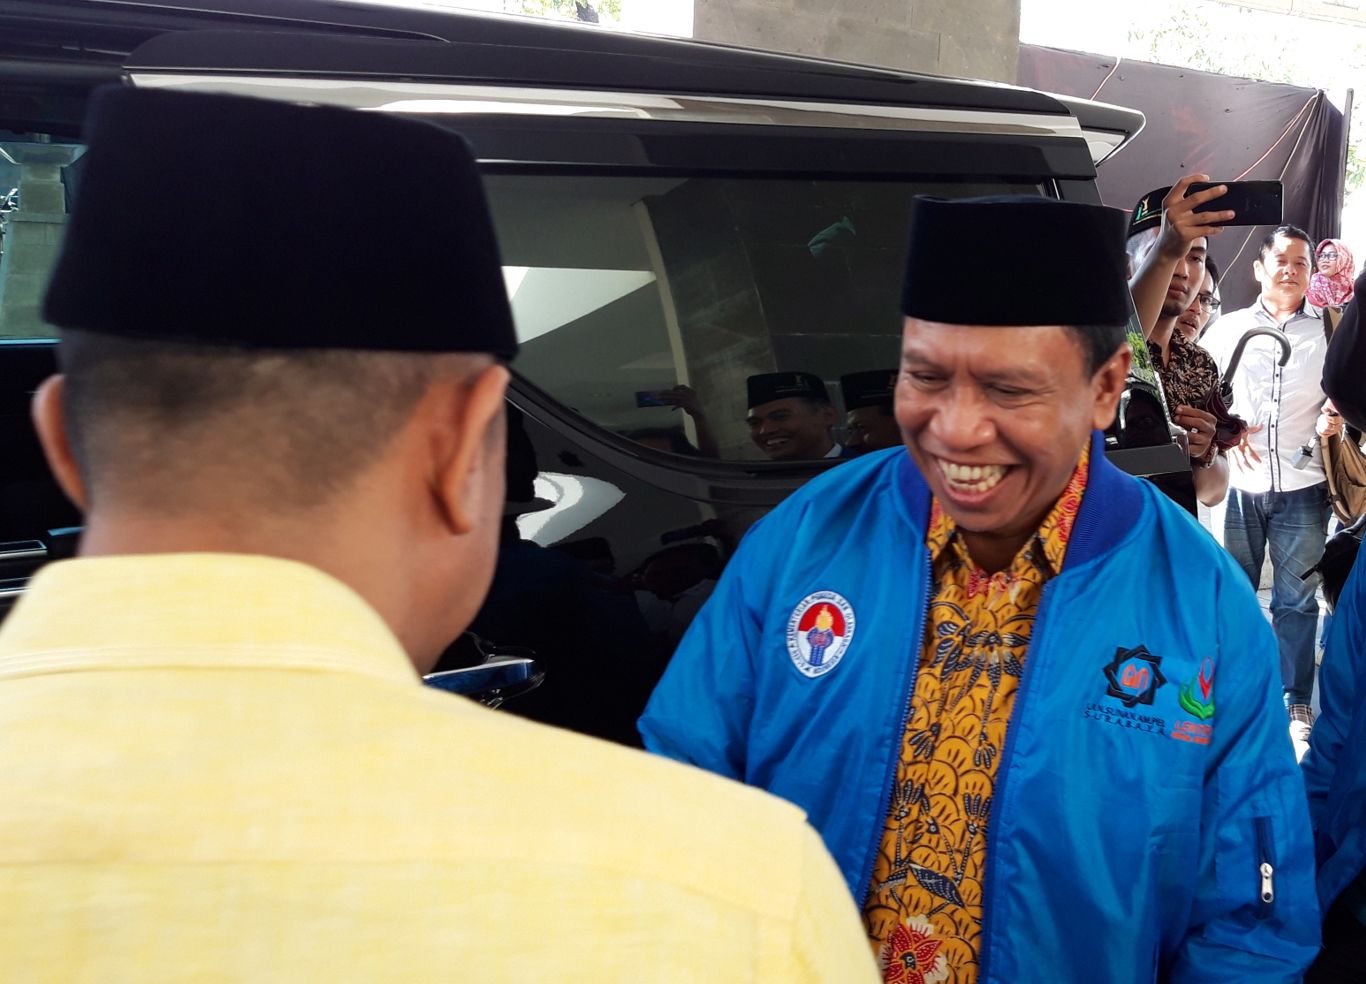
x,y
428,99
23,550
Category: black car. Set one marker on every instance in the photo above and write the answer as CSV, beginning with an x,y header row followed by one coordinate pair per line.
x,y
674,217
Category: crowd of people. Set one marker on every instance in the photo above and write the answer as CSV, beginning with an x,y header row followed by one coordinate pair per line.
x,y
1264,362
975,706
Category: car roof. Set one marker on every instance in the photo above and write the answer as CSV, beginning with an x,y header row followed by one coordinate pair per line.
x,y
437,44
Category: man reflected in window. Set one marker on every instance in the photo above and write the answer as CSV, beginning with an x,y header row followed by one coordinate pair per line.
x,y
791,418
869,424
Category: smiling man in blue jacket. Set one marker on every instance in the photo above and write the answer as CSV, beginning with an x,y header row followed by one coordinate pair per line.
x,y
1033,708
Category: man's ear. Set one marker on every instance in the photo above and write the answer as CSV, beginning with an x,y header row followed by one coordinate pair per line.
x,y
476,447
49,420
1258,270
1108,386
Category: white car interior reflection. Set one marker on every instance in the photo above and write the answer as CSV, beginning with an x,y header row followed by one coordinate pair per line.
x,y
578,500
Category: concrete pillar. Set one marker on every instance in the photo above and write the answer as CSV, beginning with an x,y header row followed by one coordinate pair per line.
x,y
963,38
33,235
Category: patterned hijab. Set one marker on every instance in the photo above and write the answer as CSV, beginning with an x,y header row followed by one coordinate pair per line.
x,y
1335,286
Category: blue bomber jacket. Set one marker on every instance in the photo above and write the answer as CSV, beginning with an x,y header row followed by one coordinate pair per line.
x,y
1335,766
1149,821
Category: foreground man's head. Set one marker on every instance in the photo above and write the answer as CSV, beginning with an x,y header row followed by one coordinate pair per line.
x,y
251,367
1000,390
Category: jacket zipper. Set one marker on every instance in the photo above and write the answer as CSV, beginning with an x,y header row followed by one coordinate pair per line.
x,y
908,688
1266,868
998,791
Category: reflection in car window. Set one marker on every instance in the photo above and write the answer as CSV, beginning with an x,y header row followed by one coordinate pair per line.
x,y
37,178
648,304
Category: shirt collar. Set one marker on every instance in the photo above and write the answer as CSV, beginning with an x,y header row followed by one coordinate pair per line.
x,y
1053,533
1175,341
1305,310
213,611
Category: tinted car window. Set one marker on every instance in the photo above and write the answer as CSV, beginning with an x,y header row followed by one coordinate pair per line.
x,y
37,177
645,303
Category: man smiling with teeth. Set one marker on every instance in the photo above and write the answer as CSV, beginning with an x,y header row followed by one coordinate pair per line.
x,y
998,417
1014,756
790,416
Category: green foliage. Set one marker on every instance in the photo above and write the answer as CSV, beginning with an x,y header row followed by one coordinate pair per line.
x,y
605,9
1190,41
1186,37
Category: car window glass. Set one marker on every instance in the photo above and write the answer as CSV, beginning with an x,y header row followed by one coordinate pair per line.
x,y
646,303
38,177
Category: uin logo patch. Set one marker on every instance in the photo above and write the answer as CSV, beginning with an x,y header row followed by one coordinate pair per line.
x,y
1134,676
819,632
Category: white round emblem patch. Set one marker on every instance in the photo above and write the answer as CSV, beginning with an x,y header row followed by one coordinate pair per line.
x,y
819,632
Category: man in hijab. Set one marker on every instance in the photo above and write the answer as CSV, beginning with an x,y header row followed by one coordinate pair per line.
x,y
218,761
949,655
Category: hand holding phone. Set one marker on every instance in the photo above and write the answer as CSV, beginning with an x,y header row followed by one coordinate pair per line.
x,y
1188,215
680,397
1253,203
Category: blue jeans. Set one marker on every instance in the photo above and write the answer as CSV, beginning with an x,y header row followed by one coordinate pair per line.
x,y
1295,525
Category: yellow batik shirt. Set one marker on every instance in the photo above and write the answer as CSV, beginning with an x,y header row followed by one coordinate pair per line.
x,y
924,909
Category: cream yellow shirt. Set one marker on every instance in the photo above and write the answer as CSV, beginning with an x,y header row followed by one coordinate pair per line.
x,y
223,768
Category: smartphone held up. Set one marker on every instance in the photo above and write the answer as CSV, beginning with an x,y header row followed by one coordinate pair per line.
x,y
651,398
1254,203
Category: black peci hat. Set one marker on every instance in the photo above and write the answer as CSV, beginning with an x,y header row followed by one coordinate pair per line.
x,y
221,220
1046,262
870,388
769,386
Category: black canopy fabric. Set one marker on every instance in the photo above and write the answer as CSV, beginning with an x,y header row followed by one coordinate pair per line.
x,y
1229,128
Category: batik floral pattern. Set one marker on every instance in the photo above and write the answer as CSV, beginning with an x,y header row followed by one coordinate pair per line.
x,y
924,909
912,955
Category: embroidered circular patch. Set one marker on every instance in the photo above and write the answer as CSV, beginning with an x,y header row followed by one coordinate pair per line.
x,y
819,632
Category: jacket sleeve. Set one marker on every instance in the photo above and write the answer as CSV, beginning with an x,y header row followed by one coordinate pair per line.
x,y
700,711
1337,692
1345,366
1255,918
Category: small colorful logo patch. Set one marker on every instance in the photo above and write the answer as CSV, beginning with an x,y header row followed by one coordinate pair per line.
x,y
1143,211
1197,696
819,632
1134,676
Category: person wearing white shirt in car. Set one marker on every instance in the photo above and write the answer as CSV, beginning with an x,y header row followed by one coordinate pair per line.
x,y
1277,491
